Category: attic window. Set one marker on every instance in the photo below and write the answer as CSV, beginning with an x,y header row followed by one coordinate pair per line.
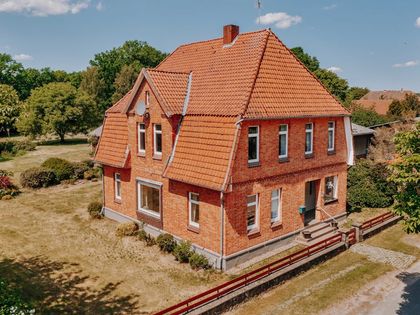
x,y
147,98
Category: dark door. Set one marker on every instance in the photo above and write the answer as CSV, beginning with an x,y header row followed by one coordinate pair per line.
x,y
310,201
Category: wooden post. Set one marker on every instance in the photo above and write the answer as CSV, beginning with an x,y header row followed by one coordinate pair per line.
x,y
359,232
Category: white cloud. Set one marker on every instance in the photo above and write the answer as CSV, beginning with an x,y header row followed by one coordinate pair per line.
x,y
330,7
335,69
23,57
279,19
411,63
418,22
99,6
43,7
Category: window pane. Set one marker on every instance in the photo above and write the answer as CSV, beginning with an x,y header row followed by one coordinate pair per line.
x,y
252,148
158,143
274,193
142,141
251,199
282,145
253,130
251,215
329,188
117,177
150,198
158,127
283,127
274,208
308,142
330,139
308,126
195,212
330,124
195,197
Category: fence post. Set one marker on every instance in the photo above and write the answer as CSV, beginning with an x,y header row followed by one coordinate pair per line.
x,y
359,232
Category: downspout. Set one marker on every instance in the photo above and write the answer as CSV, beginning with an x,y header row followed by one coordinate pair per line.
x,y
222,224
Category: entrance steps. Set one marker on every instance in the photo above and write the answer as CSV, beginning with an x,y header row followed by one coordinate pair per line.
x,y
316,233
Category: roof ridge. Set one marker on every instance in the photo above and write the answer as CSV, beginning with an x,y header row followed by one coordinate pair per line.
x,y
310,72
165,71
257,71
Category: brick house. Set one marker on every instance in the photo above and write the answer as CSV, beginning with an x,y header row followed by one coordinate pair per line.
x,y
225,144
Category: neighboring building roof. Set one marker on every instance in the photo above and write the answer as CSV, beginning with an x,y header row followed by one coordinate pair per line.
x,y
380,100
361,130
96,132
203,151
113,144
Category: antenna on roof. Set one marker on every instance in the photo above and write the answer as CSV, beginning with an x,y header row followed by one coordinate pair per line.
x,y
259,11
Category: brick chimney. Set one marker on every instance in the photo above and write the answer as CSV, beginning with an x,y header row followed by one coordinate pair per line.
x,y
229,33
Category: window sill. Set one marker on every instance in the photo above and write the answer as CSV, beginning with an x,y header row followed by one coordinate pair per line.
x,y
283,160
254,232
331,152
330,201
276,225
149,214
253,164
194,229
141,154
117,200
157,157
309,155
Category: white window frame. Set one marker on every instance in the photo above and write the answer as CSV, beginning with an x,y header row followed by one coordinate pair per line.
x,y
332,129
311,131
257,210
190,203
139,132
335,185
117,186
254,135
152,185
155,133
286,132
278,218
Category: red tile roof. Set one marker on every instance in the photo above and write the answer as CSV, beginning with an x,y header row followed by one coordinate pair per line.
x,y
203,151
379,101
113,145
119,106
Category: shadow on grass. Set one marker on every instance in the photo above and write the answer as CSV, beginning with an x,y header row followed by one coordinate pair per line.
x,y
61,288
66,141
411,296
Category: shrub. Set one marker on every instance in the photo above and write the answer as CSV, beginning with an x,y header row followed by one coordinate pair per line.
x,y
13,148
198,261
7,189
94,209
63,169
6,173
5,197
37,177
166,242
142,235
79,169
182,251
367,186
150,240
126,229
24,146
12,300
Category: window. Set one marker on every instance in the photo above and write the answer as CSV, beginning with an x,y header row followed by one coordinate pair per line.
x,y
141,138
157,139
283,131
275,205
117,188
194,205
309,137
252,212
253,144
330,188
331,135
147,98
148,198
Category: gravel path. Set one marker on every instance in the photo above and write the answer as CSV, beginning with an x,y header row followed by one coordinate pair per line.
x,y
396,259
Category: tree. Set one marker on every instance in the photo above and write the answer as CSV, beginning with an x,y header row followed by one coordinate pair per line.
x,y
310,62
110,63
355,93
336,85
125,80
406,175
94,86
57,108
409,106
9,108
366,117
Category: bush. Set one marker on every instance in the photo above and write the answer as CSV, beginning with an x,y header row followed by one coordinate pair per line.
x,y
5,173
95,209
142,235
198,261
367,186
37,177
126,229
12,300
24,146
150,240
79,169
63,169
182,251
13,148
166,242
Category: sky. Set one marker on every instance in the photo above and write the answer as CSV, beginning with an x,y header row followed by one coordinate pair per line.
x,y
371,43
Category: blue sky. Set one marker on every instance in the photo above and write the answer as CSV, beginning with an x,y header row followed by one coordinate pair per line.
x,y
373,43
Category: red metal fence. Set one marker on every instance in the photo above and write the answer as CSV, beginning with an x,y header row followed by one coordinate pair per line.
x,y
232,285
377,220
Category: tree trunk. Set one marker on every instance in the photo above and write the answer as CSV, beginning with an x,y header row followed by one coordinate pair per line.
x,y
61,135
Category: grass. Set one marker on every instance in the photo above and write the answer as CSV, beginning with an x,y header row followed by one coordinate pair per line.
x,y
66,262
363,215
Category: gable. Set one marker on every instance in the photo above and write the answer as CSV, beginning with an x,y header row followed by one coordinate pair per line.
x,y
285,88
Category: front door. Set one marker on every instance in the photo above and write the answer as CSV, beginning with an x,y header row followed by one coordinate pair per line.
x,y
310,201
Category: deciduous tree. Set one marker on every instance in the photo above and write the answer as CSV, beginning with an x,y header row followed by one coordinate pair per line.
x,y
9,108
